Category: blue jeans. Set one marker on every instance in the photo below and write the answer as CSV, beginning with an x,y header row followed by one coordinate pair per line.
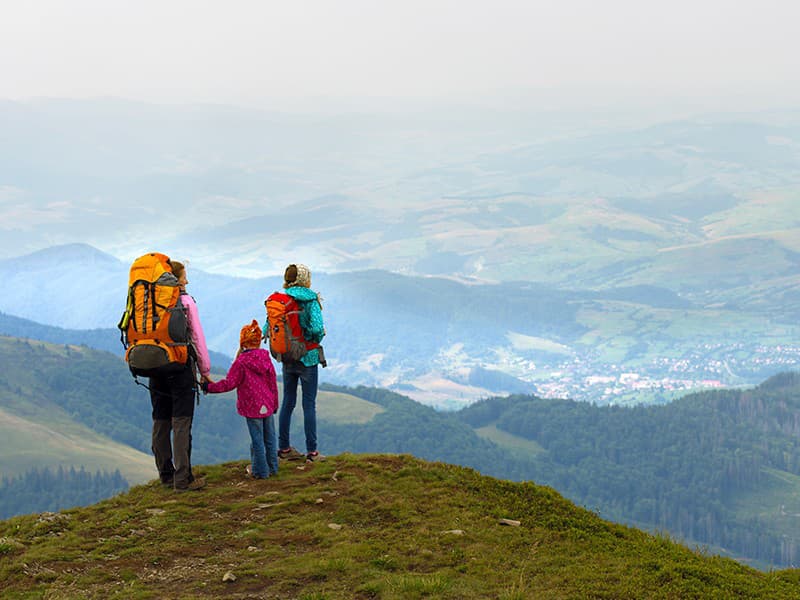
x,y
307,376
263,447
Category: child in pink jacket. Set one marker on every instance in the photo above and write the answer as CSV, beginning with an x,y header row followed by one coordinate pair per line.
x,y
253,377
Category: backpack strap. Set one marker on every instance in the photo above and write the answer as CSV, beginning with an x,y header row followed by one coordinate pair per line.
x,y
125,320
154,318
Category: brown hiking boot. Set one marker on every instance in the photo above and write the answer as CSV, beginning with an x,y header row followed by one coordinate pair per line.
x,y
197,484
290,454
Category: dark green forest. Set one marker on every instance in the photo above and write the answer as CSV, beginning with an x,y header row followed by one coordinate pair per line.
x,y
45,490
409,427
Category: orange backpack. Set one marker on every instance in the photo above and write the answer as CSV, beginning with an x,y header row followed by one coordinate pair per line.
x,y
286,340
154,328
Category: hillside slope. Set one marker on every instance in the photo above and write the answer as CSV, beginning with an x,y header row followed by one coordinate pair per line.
x,y
71,405
39,426
357,526
31,443
716,468
719,467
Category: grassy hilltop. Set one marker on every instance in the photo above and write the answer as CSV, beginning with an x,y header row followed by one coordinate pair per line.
x,y
357,526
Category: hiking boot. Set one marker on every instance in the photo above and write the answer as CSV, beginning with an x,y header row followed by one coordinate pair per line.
x,y
314,456
198,484
290,454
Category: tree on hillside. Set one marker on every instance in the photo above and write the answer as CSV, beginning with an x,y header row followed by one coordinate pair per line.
x,y
45,490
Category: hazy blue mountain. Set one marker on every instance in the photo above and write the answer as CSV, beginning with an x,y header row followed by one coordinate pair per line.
x,y
436,338
99,339
69,286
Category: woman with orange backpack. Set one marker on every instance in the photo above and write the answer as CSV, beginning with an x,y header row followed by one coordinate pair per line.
x,y
302,370
172,397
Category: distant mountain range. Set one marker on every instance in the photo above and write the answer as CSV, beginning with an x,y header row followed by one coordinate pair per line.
x,y
499,197
100,339
459,257
444,342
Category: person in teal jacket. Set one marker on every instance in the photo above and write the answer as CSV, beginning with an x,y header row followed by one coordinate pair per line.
x,y
297,283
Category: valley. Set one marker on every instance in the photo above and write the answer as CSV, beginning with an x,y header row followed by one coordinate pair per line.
x,y
457,258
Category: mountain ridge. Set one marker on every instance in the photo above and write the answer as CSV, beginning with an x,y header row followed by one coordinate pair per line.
x,y
358,526
77,251
641,328
105,339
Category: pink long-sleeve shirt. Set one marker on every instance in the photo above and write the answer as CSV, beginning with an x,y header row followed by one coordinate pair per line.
x,y
253,377
197,335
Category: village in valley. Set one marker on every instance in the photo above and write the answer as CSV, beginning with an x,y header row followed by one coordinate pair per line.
x,y
662,379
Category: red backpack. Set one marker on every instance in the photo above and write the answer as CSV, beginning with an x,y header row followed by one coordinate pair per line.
x,y
286,340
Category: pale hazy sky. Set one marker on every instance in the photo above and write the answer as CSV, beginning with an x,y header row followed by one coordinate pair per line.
x,y
279,53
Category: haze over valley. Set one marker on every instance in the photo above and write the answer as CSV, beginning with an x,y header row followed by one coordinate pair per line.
x,y
607,261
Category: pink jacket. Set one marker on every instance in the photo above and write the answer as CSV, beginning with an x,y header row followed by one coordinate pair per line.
x,y
197,335
253,377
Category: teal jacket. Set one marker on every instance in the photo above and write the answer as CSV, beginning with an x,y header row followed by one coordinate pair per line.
x,y
310,320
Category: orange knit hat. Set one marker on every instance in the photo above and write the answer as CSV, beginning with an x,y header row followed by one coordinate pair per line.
x,y
250,336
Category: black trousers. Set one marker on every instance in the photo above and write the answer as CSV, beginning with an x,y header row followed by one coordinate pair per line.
x,y
172,398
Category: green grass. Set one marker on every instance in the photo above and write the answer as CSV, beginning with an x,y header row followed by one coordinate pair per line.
x,y
510,441
339,408
526,342
776,500
343,409
393,520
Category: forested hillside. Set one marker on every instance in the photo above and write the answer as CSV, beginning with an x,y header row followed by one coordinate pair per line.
x,y
96,389
721,467
62,383
406,426
45,490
